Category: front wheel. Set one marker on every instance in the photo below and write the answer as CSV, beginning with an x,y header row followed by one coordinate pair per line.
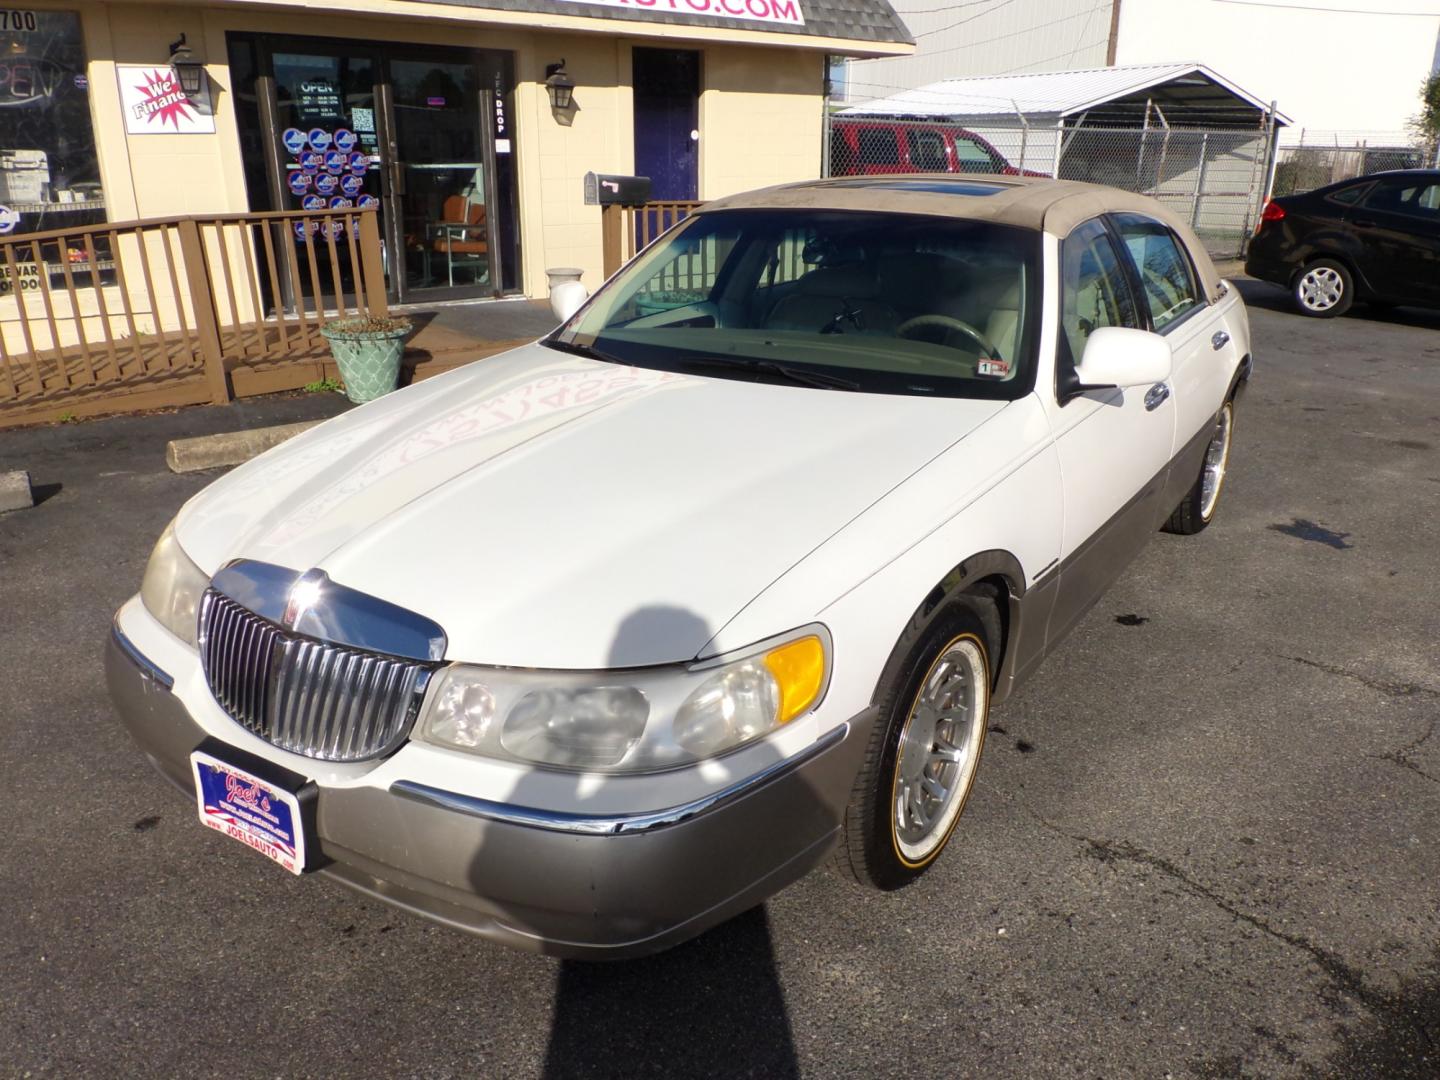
x,y
925,749
1198,507
1324,289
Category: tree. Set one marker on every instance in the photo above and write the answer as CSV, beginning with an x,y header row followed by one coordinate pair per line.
x,y
1427,124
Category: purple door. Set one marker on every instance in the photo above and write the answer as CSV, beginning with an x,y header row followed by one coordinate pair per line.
x,y
667,93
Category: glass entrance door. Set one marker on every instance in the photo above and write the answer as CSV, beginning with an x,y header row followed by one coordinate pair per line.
x,y
440,179
326,147
422,133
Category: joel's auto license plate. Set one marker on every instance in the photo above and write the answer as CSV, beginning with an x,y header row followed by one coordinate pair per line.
x,y
244,807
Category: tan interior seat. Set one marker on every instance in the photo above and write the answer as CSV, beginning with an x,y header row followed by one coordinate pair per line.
x,y
823,294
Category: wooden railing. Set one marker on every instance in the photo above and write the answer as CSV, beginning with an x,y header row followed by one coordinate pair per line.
x,y
626,230
141,314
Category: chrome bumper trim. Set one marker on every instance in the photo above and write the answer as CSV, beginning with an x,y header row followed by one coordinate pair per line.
x,y
148,668
615,824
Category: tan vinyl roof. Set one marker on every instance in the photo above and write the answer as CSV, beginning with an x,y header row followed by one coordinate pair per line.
x,y
1031,202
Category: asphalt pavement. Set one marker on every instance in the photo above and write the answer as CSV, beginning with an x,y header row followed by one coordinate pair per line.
x,y
1203,841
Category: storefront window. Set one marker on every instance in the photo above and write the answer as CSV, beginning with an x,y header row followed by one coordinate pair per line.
x,y
49,175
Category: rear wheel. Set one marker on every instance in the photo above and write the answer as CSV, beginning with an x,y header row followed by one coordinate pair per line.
x,y
1198,507
925,748
1324,289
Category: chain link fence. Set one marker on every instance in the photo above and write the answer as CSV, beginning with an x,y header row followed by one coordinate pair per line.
x,y
1212,178
1306,166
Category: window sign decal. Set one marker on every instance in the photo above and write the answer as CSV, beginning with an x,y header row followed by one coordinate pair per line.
x,y
335,162
8,220
312,202
345,140
785,12
351,184
325,184
299,182
154,104
319,139
294,140
310,161
359,162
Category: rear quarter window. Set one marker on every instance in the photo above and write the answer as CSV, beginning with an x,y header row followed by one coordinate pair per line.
x,y
1348,196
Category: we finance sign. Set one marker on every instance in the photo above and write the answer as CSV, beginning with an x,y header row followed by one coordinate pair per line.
x,y
784,12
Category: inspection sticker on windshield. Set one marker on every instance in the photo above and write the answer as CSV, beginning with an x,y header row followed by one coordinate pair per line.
x,y
995,369
253,811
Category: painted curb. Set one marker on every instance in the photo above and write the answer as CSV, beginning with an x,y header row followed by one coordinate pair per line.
x,y
15,491
228,448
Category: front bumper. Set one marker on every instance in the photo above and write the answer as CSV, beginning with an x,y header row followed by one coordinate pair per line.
x,y
584,886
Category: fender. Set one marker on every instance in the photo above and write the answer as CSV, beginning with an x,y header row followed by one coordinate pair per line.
x,y
999,568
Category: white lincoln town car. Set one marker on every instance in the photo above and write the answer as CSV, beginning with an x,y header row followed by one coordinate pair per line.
x,y
594,644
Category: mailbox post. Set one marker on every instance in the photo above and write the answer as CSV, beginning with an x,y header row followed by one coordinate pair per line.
x,y
613,194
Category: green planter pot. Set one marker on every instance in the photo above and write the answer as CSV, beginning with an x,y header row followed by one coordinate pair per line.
x,y
369,360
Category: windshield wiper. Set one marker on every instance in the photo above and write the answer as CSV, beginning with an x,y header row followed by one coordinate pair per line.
x,y
587,351
802,376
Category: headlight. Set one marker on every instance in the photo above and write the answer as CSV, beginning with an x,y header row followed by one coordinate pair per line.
x,y
626,721
173,587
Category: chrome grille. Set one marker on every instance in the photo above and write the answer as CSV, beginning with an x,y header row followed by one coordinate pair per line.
x,y
309,697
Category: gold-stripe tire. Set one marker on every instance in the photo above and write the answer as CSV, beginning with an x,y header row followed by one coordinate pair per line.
x,y
914,783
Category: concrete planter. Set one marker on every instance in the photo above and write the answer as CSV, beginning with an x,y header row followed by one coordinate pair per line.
x,y
368,353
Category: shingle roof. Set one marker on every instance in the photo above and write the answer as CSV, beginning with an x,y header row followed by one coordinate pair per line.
x,y
852,20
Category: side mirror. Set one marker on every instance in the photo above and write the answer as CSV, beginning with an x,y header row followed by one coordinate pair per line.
x,y
1119,356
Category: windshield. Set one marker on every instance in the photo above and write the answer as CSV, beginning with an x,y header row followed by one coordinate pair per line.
x,y
884,303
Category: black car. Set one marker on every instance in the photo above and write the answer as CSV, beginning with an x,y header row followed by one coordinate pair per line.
x,y
1375,239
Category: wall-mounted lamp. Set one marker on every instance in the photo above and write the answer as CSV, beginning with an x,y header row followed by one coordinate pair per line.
x,y
189,72
560,86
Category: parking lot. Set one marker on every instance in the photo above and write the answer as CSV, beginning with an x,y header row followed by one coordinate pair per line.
x,y
1203,841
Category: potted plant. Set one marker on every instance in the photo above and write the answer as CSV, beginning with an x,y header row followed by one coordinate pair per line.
x,y
367,351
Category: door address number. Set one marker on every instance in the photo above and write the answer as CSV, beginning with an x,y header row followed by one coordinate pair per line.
x,y
17,19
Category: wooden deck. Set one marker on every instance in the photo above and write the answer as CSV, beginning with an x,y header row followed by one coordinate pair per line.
x,y
165,370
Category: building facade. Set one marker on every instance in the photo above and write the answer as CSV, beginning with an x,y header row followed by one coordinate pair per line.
x,y
446,116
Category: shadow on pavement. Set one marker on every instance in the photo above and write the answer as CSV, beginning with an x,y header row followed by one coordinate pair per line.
x,y
710,1007
1271,297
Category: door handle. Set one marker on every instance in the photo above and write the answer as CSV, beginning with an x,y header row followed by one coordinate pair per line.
x,y
1155,396
1219,339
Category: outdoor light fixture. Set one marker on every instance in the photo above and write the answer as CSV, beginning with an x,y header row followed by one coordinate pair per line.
x,y
189,72
560,85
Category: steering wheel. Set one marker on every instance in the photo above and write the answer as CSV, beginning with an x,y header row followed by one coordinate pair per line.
x,y
987,349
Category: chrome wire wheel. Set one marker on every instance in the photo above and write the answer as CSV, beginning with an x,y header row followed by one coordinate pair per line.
x,y
1321,288
1217,458
939,751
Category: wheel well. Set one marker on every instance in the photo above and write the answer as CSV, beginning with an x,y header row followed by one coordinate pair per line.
x,y
995,587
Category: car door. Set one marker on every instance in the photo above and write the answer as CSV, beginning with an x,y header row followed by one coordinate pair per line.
x,y
1114,445
1202,352
1398,226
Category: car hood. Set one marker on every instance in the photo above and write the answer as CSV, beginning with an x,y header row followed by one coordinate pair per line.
x,y
553,511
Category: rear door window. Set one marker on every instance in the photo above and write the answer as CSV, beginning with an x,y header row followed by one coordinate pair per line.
x,y
1163,268
878,146
1414,198
927,151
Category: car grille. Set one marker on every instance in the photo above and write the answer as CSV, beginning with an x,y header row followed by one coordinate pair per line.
x,y
309,697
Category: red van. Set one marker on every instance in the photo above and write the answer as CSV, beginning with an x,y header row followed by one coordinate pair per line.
x,y
871,147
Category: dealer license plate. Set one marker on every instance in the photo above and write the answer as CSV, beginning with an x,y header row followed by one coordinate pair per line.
x,y
244,807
